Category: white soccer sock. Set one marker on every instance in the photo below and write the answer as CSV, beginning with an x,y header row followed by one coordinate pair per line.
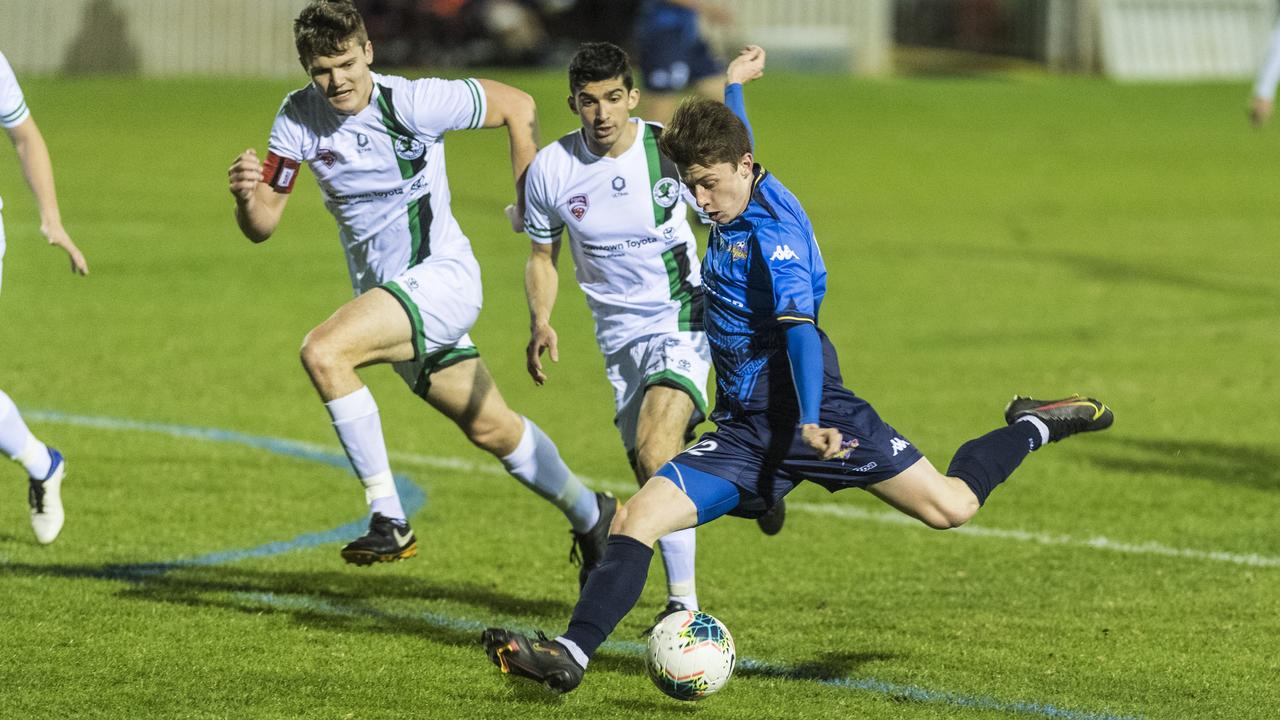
x,y
17,442
359,428
575,652
678,551
1039,425
536,462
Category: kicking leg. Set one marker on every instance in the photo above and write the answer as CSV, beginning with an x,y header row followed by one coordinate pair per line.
x,y
660,432
659,508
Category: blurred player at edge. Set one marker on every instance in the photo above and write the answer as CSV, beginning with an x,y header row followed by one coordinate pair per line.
x,y
783,414
1264,87
636,260
673,55
375,145
45,466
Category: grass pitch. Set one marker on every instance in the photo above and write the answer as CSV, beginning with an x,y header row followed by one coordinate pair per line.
x,y
984,237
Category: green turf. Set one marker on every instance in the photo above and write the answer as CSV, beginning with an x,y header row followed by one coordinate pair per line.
x,y
984,237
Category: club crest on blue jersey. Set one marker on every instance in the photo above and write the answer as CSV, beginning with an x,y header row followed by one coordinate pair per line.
x,y
578,205
409,148
666,192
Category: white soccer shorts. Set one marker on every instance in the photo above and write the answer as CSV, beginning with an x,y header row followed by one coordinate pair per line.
x,y
680,359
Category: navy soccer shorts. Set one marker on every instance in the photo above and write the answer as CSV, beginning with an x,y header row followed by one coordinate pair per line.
x,y
748,463
674,56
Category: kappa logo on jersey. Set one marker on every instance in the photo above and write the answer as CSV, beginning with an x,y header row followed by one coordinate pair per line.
x,y
898,445
409,148
666,192
783,252
326,156
578,205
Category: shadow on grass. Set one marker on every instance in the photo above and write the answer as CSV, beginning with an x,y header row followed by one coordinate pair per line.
x,y
1227,463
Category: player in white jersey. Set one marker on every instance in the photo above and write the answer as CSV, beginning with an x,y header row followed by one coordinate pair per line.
x,y
1264,87
375,144
636,260
44,465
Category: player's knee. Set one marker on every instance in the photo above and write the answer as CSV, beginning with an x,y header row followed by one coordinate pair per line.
x,y
495,433
951,513
318,356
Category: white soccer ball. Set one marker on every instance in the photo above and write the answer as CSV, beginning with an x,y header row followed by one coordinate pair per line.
x,y
691,655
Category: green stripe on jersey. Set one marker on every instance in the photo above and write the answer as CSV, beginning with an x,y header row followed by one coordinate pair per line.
x,y
415,316
400,135
681,289
477,117
419,215
660,214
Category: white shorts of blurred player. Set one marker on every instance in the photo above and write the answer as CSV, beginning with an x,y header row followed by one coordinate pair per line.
x,y
680,360
442,297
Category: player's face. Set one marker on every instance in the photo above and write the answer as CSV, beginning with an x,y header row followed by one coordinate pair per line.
x,y
604,107
345,78
722,190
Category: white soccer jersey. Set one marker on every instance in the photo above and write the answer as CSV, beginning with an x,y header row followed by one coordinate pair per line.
x,y
633,252
13,108
381,171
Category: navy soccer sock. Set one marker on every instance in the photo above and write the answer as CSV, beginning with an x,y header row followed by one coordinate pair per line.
x,y
612,590
985,462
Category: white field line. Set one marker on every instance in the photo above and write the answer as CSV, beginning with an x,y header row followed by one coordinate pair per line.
x,y
848,512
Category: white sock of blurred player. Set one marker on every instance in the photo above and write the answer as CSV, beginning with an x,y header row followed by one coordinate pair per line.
x,y
678,550
536,462
359,427
17,442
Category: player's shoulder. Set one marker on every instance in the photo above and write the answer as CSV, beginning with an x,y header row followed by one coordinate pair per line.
x,y
774,211
558,156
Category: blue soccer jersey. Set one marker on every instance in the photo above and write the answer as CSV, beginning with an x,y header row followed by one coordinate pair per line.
x,y
763,272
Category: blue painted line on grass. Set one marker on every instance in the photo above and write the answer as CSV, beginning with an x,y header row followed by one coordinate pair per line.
x,y
414,498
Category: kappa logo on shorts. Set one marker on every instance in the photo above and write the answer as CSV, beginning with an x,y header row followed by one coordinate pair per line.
x,y
578,205
326,156
666,192
898,445
409,148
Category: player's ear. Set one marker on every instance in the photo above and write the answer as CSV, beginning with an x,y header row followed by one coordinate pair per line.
x,y
633,98
573,105
368,52
746,165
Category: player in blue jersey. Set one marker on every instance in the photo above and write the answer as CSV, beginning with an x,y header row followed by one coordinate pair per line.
x,y
783,414
674,57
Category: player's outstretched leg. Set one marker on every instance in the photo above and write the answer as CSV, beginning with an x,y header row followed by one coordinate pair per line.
x,y
611,591
45,470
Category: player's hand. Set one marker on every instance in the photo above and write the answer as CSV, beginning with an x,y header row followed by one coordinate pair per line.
x,y
1260,111
244,175
748,66
58,236
515,217
827,442
543,338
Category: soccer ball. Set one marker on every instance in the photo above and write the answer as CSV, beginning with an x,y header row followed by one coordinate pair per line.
x,y
691,655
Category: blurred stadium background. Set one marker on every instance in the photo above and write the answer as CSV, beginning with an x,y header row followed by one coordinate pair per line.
x,y
1125,39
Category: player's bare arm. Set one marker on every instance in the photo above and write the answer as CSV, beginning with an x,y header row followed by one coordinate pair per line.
x,y
37,168
748,66
258,205
515,109
541,281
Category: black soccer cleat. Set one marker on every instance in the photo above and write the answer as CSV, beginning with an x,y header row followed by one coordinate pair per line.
x,y
673,606
771,522
1064,417
591,544
541,660
387,540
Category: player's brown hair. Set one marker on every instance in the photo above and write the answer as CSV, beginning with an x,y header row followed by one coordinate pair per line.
x,y
704,132
324,27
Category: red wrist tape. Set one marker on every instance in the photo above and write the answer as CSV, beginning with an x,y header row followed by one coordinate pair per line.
x,y
279,173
